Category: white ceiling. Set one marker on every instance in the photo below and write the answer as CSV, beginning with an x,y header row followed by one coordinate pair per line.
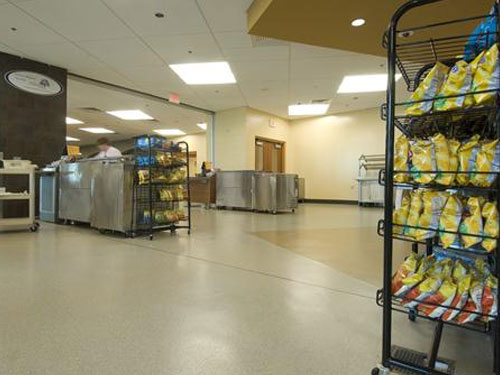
x,y
121,41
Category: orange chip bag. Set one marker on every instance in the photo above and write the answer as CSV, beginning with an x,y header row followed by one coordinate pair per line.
x,y
460,299
409,267
473,307
490,299
437,304
422,291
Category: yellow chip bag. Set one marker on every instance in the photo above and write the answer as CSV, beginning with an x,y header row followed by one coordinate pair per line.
x,y
449,178
467,154
487,160
450,221
408,268
490,215
469,99
434,202
473,223
458,82
416,206
401,156
427,90
423,161
400,215
442,155
487,77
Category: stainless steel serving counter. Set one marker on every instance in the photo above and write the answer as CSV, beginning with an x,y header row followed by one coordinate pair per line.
x,y
259,191
98,192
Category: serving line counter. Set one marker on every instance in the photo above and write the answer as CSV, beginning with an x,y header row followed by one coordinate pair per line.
x,y
98,192
258,191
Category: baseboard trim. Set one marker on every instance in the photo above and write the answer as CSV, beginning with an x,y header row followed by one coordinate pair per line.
x,y
331,201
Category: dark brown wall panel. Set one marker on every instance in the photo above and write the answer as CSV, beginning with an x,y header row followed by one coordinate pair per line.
x,y
32,126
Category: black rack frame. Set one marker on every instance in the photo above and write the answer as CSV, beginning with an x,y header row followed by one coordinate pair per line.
x,y
413,71
150,197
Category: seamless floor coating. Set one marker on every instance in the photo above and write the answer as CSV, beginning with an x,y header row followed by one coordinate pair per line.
x,y
229,299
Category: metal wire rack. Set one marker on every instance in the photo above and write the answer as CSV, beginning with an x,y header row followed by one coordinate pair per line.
x,y
414,58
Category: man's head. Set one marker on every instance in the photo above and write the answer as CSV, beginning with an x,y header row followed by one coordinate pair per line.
x,y
103,144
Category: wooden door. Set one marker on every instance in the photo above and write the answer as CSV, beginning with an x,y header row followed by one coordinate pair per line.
x,y
269,156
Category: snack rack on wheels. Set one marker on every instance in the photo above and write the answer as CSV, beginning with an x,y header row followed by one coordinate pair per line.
x,y
416,53
161,194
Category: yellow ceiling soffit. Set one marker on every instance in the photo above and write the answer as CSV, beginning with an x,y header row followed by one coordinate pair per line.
x,y
327,23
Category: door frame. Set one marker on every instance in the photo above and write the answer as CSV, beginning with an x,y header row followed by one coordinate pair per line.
x,y
283,148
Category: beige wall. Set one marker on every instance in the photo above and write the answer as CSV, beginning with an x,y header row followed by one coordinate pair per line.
x,y
325,151
265,125
230,139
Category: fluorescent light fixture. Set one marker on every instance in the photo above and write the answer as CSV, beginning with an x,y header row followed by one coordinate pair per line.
x,y
97,130
213,73
169,132
73,121
308,109
131,115
202,125
364,83
358,22
71,139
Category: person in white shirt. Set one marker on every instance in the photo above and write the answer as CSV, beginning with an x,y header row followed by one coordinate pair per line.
x,y
106,150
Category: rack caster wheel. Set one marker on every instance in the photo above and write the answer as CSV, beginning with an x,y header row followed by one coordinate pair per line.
x,y
380,370
376,371
34,228
412,316
151,237
102,231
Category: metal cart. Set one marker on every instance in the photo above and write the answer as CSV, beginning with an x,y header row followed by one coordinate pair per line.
x,y
19,168
370,193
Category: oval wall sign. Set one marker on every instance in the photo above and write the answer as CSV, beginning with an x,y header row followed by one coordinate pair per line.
x,y
34,83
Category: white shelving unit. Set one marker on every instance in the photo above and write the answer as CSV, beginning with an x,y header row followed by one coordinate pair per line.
x,y
20,222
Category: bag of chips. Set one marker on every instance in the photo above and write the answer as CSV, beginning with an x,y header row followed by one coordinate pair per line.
x,y
401,157
442,155
473,222
487,77
460,299
467,154
400,215
422,291
487,160
458,82
437,304
450,221
416,206
427,90
409,267
491,228
489,302
449,178
473,307
423,161
434,202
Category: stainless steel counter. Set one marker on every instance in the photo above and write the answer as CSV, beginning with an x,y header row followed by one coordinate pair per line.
x,y
260,191
98,192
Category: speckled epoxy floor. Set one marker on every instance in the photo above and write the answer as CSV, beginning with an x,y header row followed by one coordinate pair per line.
x,y
226,300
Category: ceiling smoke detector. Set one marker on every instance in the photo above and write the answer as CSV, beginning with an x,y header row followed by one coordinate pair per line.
x,y
406,34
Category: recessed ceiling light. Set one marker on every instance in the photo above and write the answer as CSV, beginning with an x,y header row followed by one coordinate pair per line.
x,y
364,83
358,22
97,130
73,121
202,125
169,132
131,115
214,73
71,139
307,109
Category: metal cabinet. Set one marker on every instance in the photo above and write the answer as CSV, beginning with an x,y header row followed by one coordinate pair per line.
x,y
75,180
49,195
234,189
112,187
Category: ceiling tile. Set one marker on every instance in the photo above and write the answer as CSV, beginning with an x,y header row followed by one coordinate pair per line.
x,y
260,70
175,49
78,20
181,16
12,51
65,55
122,52
234,39
29,31
221,97
224,15
306,90
257,54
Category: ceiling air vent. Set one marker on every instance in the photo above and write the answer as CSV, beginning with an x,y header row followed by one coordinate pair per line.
x,y
320,101
262,41
90,109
